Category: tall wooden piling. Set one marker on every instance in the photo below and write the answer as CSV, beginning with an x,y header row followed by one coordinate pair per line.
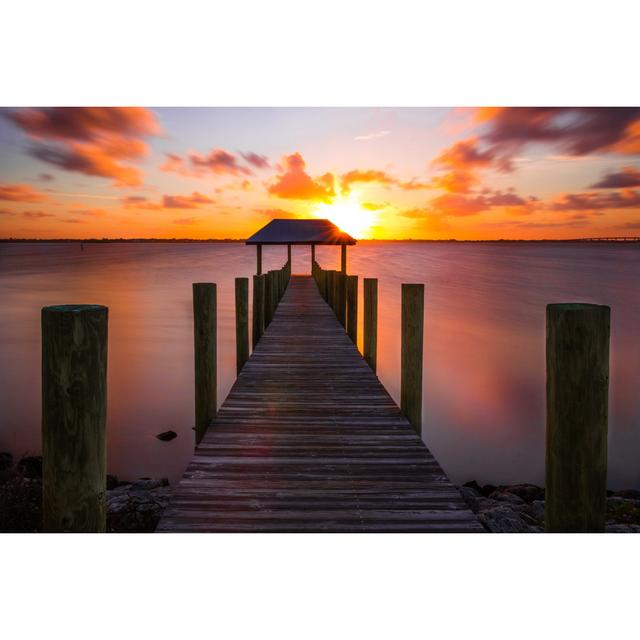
x,y
313,254
74,400
352,308
370,325
341,303
205,327
242,322
343,259
411,355
275,289
288,254
259,259
577,414
268,298
258,309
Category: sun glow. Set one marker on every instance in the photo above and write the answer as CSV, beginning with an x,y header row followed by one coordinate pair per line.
x,y
348,214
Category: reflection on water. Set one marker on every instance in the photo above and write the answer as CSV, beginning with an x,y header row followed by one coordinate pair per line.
x,y
484,342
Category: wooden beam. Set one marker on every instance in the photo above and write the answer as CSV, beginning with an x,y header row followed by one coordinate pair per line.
x,y
352,308
242,322
411,355
577,414
258,309
259,258
206,353
74,401
370,325
313,255
343,258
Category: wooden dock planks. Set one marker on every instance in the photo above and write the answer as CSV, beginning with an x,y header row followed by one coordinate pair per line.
x,y
309,440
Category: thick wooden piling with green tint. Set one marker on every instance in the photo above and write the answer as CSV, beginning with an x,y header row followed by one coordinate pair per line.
x,y
370,324
205,327
411,355
74,400
258,309
352,308
242,322
577,415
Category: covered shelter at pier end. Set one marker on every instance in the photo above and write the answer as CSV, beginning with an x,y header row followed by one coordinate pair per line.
x,y
311,231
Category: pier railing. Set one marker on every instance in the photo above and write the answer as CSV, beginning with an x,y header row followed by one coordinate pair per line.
x,y
74,374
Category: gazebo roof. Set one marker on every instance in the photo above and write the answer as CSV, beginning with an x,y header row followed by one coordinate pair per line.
x,y
297,231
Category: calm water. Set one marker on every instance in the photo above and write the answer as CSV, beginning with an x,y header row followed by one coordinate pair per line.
x,y
484,342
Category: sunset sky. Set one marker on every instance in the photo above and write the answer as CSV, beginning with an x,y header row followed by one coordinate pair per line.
x,y
382,173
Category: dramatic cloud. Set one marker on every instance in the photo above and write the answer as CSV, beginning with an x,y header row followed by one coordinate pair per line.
x,y
46,177
20,193
217,161
626,177
185,202
575,130
37,214
258,161
371,136
294,183
369,175
458,204
94,141
140,202
276,213
588,201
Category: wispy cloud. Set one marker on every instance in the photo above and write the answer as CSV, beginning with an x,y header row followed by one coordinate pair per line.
x,y
371,136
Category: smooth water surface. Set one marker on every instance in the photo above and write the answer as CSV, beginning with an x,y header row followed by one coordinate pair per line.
x,y
484,363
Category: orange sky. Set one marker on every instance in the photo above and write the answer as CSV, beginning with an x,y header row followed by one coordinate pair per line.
x,y
494,173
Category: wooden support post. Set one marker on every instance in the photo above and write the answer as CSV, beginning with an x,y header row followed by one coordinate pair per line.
x,y
259,257
205,325
577,414
313,254
74,401
258,309
343,258
341,310
274,291
333,284
352,308
411,355
370,337
269,295
242,322
289,254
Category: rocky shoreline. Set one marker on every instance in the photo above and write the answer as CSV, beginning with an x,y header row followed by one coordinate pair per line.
x,y
136,506
132,506
520,508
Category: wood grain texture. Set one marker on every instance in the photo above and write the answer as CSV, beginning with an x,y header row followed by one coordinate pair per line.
x,y
352,308
205,345
258,309
370,323
411,353
308,440
577,414
242,322
74,397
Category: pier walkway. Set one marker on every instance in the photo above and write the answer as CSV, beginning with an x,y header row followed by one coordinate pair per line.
x,y
308,440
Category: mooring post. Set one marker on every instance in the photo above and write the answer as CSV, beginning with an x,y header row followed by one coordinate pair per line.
x,y
258,309
269,297
288,254
370,326
343,258
275,291
333,293
313,254
74,409
242,322
259,257
206,352
411,355
352,308
341,310
577,414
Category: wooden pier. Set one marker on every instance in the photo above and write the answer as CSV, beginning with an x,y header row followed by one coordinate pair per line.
x,y
308,440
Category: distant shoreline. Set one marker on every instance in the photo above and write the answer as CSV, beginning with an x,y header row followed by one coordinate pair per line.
x,y
619,240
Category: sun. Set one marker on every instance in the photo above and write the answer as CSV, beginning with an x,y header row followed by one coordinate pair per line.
x,y
348,214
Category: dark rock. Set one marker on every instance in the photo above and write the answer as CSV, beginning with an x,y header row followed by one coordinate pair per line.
x,y
622,528
471,497
527,492
487,490
6,461
31,467
506,496
112,481
534,511
165,436
503,519
473,485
